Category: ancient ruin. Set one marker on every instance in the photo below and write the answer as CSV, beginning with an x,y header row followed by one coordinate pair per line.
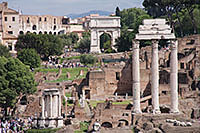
x,y
51,109
98,26
154,30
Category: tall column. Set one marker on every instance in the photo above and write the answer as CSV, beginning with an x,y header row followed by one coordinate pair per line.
x,y
43,106
51,106
136,77
155,77
174,77
59,106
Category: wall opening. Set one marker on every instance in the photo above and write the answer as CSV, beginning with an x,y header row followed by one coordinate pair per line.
x,y
105,43
106,125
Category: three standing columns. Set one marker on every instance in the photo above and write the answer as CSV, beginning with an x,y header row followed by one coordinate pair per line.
x,y
155,77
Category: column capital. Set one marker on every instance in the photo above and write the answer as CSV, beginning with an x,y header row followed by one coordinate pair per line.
x,y
136,44
174,44
154,44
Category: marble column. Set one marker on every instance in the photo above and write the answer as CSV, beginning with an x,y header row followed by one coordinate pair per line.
x,y
174,77
155,77
136,77
51,106
43,107
59,106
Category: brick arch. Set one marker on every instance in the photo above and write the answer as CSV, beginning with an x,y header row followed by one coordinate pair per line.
x,y
107,124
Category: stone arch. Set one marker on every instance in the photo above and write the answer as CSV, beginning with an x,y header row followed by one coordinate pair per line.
x,y
123,122
34,33
45,32
50,32
34,27
106,125
54,33
99,25
54,27
21,32
40,32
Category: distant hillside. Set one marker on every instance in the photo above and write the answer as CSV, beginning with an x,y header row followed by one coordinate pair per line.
x,y
101,13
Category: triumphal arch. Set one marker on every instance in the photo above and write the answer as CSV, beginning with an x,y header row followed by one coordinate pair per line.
x,y
155,30
103,24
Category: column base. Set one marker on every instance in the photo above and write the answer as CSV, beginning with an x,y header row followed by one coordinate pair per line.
x,y
52,123
137,111
174,111
156,111
41,123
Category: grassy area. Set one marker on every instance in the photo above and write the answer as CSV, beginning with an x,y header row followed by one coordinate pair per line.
x,y
68,94
69,58
94,103
74,72
121,103
42,130
83,127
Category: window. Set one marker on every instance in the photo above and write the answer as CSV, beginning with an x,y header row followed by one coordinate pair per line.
x,y
40,19
117,75
45,19
182,65
10,32
54,28
6,19
54,21
34,27
28,20
13,18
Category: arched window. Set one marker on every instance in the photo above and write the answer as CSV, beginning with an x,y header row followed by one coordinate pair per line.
x,y
21,32
34,27
54,28
40,32
50,32
54,21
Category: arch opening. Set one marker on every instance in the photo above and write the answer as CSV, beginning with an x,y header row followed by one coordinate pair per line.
x,y
106,125
105,43
34,27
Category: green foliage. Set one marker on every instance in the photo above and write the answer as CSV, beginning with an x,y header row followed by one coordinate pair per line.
x,y
45,45
73,72
70,39
83,127
69,58
15,79
130,20
29,57
88,59
105,43
4,51
84,43
181,14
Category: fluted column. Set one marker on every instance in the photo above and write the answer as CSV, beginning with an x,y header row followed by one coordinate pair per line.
x,y
155,77
136,77
174,77
43,106
51,106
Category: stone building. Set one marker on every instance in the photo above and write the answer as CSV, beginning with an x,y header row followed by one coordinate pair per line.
x,y
12,24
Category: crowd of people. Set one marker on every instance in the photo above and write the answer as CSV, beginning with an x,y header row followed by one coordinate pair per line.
x,y
15,125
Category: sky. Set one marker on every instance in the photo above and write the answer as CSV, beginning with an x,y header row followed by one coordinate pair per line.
x,y
64,7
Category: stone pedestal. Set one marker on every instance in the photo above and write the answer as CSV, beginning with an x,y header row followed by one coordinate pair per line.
x,y
174,77
136,77
155,77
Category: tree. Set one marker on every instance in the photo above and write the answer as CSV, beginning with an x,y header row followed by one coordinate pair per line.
x,y
16,80
29,57
4,51
84,44
117,11
45,45
130,20
88,59
74,37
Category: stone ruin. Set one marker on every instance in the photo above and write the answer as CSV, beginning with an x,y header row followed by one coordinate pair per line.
x,y
51,110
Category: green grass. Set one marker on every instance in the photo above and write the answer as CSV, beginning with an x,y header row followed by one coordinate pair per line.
x,y
69,58
94,103
68,94
74,72
42,130
83,127
121,103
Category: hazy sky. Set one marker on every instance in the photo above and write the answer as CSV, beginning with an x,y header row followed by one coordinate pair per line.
x,y
64,7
